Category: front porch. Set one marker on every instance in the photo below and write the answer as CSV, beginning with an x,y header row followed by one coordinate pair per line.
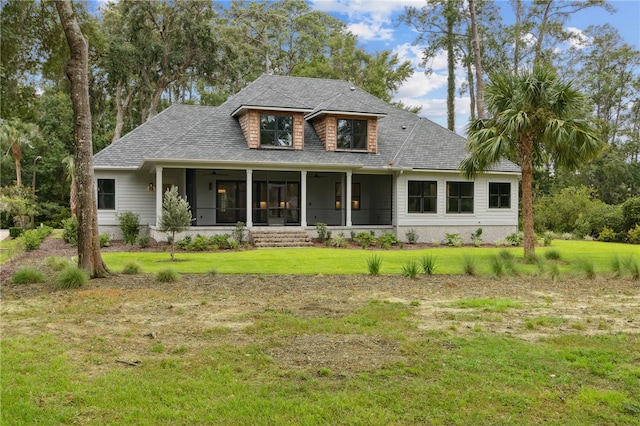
x,y
220,198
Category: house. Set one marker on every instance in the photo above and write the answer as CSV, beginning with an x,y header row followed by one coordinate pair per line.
x,y
293,152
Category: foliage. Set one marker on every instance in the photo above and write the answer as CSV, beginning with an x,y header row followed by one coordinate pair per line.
x,y
70,230
587,267
239,231
71,277
365,239
469,265
631,213
560,212
144,241
547,238
167,276
15,231
130,226
57,263
532,112
176,215
476,237
428,262
19,202
374,263
27,275
411,269
104,240
387,240
632,264
412,236
581,227
323,233
634,235
553,254
501,265
339,241
33,238
453,240
514,239
607,235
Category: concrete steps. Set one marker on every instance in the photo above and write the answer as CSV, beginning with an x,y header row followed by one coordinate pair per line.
x,y
281,238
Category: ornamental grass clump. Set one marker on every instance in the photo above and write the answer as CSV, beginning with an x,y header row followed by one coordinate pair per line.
x,y
27,275
469,265
633,266
132,268
411,269
167,276
587,267
57,263
374,263
71,277
428,262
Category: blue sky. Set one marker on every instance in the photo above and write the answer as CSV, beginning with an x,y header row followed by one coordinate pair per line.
x,y
373,22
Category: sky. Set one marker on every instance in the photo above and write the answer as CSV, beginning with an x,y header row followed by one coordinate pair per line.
x,y
373,21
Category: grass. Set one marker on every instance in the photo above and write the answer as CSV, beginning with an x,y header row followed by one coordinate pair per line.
x,y
27,276
438,379
71,277
330,261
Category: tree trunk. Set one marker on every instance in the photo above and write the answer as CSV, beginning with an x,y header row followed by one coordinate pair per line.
x,y
478,60
516,51
526,166
15,152
451,69
121,107
89,257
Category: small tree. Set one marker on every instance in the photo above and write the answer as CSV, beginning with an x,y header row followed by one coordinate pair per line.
x,y
176,215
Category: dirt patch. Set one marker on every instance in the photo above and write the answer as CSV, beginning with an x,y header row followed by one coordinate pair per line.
x,y
137,318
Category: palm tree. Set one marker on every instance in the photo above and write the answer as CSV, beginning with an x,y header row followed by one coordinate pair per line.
x,y
16,135
532,114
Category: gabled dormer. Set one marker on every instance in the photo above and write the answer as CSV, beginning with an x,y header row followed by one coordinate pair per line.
x,y
343,123
272,120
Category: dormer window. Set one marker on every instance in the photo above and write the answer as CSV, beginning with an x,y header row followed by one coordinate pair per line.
x,y
351,134
276,130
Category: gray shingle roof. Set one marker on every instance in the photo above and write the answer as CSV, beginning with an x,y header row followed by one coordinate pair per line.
x,y
208,134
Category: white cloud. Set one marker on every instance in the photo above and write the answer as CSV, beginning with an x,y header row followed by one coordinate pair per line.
x,y
369,31
578,39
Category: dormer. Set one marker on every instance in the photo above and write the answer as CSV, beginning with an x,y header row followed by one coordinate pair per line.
x,y
343,123
272,120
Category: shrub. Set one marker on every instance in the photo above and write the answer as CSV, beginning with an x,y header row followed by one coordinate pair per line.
x,y
199,243
184,243
71,277
476,237
374,263
57,263
581,227
631,213
428,264
559,212
365,239
323,233
15,232
70,230
547,238
453,240
27,276
232,243
411,269
104,240
515,239
131,268
387,240
32,240
238,232
219,241
167,276
607,235
634,235
339,241
412,236
144,241
130,226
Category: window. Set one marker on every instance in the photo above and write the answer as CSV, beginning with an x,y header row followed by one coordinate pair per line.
x,y
276,130
459,197
422,196
106,194
499,195
355,196
352,134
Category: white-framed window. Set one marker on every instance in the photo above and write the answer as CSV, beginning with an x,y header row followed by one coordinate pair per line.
x,y
106,194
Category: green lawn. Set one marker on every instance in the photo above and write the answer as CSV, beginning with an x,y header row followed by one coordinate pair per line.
x,y
342,261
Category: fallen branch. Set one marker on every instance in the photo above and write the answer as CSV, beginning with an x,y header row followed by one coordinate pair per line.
x,y
131,363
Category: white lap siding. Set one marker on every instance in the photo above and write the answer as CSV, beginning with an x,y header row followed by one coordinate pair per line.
x,y
131,194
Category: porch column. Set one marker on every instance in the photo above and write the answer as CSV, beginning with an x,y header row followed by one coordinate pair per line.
x,y
303,198
159,194
347,200
249,223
